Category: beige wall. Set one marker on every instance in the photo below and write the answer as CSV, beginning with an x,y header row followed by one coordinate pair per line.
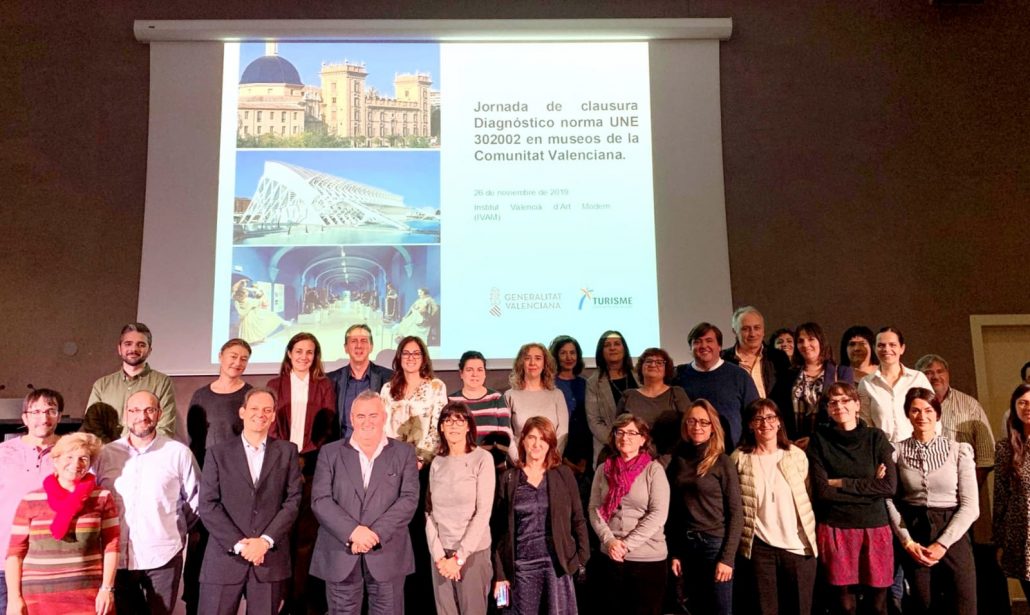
x,y
875,164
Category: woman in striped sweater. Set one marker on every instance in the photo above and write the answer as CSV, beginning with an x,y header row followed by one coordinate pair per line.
x,y
64,542
491,413
779,525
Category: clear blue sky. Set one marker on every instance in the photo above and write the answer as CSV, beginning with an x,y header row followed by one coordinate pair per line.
x,y
415,175
382,60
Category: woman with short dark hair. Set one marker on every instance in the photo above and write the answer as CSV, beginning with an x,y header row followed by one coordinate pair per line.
x,y
461,478
629,504
658,402
937,502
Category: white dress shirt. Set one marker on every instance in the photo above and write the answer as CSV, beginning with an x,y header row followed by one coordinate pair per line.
x,y
367,462
156,489
883,405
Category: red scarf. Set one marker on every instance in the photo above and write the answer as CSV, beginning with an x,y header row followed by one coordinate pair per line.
x,y
620,475
66,504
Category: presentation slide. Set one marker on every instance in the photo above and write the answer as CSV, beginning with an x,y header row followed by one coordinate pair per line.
x,y
479,196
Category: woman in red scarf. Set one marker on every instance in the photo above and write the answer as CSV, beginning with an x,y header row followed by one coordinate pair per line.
x,y
629,502
69,568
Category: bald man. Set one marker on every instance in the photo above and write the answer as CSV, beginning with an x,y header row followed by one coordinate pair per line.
x,y
155,481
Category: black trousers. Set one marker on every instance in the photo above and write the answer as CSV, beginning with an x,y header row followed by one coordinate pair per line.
x,y
949,586
783,581
633,588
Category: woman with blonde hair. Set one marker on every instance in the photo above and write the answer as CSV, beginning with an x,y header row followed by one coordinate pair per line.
x,y
63,553
705,519
533,393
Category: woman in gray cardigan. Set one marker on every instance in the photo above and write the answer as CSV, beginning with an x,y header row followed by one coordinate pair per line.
x,y
779,525
629,503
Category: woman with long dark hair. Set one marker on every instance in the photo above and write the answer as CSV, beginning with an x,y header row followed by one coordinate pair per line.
x,y
1012,491
414,399
612,377
779,524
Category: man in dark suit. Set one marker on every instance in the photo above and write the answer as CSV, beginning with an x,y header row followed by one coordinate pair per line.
x,y
249,497
364,494
359,374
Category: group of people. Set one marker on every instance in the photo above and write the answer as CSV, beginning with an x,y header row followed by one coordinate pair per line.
x,y
763,477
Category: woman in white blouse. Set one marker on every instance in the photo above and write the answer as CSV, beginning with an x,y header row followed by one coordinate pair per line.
x,y
779,524
937,501
414,399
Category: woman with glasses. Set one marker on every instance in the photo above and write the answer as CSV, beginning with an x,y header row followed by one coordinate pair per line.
x,y
779,524
462,476
937,502
658,402
414,399
1012,491
705,519
533,393
493,418
629,503
851,469
612,378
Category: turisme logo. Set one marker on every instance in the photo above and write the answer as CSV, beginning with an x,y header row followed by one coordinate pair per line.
x,y
587,292
589,298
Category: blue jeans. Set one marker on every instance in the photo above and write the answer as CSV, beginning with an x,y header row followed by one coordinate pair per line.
x,y
704,594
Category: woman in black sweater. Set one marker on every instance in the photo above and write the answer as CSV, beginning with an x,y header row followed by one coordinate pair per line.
x,y
705,514
852,472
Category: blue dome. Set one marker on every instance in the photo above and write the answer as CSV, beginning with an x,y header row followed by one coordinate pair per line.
x,y
271,69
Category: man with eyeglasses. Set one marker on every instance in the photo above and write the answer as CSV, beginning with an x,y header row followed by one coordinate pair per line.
x,y
110,392
26,461
359,374
155,481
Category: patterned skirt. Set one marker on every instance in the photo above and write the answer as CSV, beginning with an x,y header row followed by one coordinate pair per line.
x,y
856,556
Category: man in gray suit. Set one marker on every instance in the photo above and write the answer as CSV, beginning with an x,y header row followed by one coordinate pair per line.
x,y
249,497
364,494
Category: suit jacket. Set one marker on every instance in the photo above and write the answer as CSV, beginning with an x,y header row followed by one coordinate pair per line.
x,y
600,407
319,420
377,377
232,508
341,503
568,527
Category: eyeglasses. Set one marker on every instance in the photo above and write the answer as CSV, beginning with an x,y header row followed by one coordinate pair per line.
x,y
625,433
454,420
137,411
769,418
698,422
838,401
411,354
655,363
48,412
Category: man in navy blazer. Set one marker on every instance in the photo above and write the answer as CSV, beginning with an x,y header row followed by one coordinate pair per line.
x,y
249,496
364,494
359,374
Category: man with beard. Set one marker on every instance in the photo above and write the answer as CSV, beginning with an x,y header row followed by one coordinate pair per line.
x,y
155,481
26,461
111,392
